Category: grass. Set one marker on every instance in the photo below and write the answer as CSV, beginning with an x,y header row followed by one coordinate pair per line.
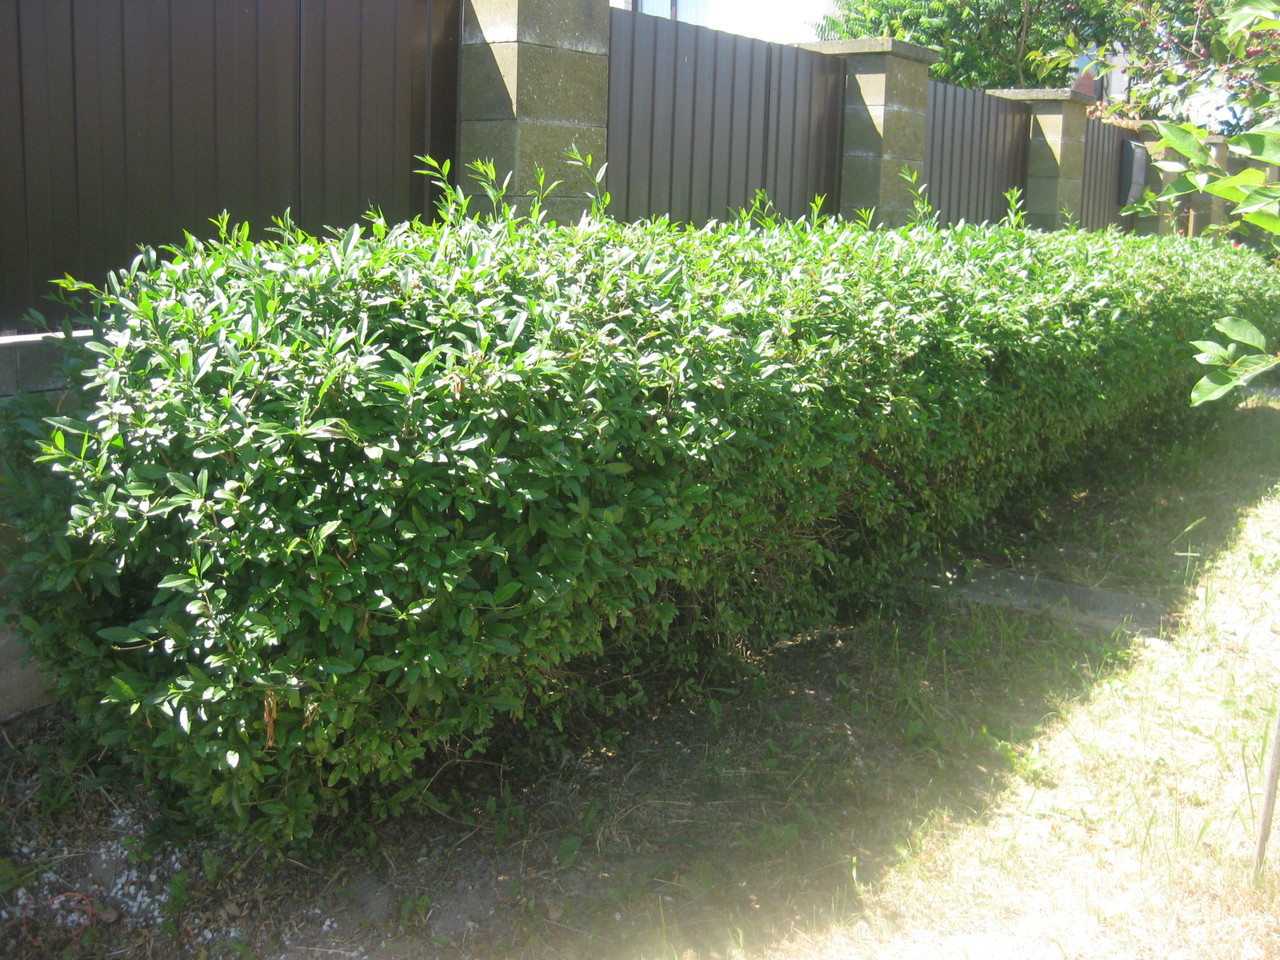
x,y
1139,841
927,781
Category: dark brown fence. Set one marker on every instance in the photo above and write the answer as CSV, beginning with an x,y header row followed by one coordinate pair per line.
x,y
700,120
128,123
975,149
1100,191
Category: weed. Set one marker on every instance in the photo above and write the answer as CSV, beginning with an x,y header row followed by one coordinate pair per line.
x,y
174,905
415,909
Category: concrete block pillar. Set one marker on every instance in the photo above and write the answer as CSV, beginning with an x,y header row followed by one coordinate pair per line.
x,y
1055,161
535,82
886,107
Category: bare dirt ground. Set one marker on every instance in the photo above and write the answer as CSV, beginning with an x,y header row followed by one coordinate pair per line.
x,y
929,781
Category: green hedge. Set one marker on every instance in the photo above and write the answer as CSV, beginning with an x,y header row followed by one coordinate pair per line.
x,y
336,507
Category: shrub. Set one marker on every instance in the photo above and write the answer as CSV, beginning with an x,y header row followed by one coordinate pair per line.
x,y
335,507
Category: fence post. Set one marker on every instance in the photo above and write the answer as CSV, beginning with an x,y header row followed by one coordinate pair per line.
x,y
534,83
885,113
1055,161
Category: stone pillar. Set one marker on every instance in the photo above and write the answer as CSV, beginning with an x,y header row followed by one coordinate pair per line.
x,y
885,115
535,83
1055,163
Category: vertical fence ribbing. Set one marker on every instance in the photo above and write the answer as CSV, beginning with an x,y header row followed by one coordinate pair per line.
x,y
742,114
976,152
132,122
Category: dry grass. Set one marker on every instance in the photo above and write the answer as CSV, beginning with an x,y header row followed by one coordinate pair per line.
x,y
1134,836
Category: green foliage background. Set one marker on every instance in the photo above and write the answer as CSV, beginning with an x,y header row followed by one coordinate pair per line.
x,y
333,510
983,43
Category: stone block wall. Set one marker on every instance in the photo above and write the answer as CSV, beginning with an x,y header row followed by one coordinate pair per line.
x,y
535,82
28,364
886,116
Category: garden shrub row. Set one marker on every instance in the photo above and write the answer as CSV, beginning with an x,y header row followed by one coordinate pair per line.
x,y
334,508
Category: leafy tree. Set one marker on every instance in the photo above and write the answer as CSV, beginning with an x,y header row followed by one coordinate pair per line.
x,y
1175,56
983,43
1244,66
1186,60
1243,61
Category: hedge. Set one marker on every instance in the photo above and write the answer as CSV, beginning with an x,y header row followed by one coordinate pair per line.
x,y
333,508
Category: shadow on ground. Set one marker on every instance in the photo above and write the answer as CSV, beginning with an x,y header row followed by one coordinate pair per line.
x,y
734,821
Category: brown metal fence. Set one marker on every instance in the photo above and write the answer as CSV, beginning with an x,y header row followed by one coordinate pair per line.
x,y
1100,191
700,120
975,150
128,123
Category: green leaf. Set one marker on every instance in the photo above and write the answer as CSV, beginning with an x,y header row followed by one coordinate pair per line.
x,y
1181,187
1235,188
120,692
506,592
1259,199
68,424
333,428
1266,220
1212,351
1242,331
184,483
568,850
326,530
1256,146
122,635
180,581
505,647
1183,139
1245,16
1247,368
1212,385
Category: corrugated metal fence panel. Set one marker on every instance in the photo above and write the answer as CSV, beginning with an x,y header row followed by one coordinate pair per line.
x,y
15,264
1100,191
975,151
132,123
46,139
700,120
